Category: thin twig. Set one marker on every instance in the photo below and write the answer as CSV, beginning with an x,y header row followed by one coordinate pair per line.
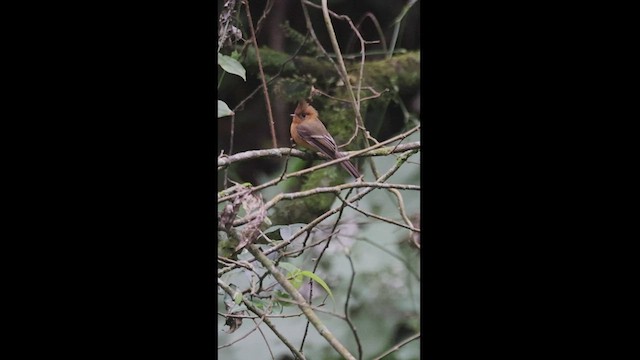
x,y
397,22
265,341
315,267
382,218
266,12
398,346
376,24
258,317
293,252
341,68
312,32
346,308
336,189
321,190
404,261
403,212
245,335
258,312
315,308
376,94
240,105
328,213
242,264
302,304
304,245
355,98
262,77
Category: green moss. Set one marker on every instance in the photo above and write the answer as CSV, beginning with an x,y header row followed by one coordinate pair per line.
x,y
306,209
226,245
272,61
298,39
290,89
401,72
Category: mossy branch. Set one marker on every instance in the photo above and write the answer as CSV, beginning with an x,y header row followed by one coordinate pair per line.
x,y
225,161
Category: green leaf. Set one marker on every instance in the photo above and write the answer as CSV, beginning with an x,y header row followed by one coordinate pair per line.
x,y
258,303
237,297
223,109
319,281
232,66
294,274
283,295
296,279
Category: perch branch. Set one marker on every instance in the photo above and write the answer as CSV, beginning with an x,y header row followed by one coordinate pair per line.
x,y
226,160
325,164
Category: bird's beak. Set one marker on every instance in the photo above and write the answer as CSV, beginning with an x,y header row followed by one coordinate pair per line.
x,y
292,114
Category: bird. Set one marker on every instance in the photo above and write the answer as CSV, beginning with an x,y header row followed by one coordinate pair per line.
x,y
309,132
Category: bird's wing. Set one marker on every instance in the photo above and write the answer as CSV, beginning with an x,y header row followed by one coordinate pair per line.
x,y
324,143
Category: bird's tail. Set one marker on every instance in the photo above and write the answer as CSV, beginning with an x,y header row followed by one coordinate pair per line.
x,y
347,165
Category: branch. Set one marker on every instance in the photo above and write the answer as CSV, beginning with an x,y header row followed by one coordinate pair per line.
x,y
304,306
355,101
258,312
262,77
404,261
259,317
337,189
245,335
320,190
346,308
398,346
369,214
225,160
403,212
328,163
401,160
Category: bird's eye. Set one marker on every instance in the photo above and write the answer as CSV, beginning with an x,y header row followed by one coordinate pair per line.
x,y
303,115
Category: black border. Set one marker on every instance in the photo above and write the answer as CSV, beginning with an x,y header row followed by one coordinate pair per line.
x,y
126,128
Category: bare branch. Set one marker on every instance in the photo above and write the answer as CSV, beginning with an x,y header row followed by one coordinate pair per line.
x,y
293,252
304,306
266,342
262,77
328,213
245,335
317,263
320,190
346,308
369,214
225,160
355,98
407,265
258,312
259,317
403,212
398,346
328,163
